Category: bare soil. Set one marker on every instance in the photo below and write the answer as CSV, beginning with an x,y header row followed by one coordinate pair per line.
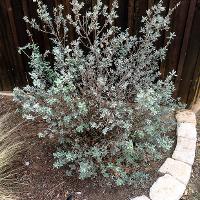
x,y
39,181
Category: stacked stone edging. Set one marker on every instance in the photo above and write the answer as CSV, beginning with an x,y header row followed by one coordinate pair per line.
x,y
177,170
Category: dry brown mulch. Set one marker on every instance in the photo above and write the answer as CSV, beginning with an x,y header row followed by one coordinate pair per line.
x,y
38,179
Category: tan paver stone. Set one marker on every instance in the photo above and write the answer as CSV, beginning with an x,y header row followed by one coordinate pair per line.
x,y
187,130
186,156
177,169
186,116
167,188
185,144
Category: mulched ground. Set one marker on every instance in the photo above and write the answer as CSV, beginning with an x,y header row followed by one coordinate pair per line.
x,y
38,179
193,190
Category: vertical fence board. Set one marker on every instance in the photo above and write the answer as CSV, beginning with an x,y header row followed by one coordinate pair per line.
x,y
131,16
140,8
150,3
8,60
186,38
191,58
195,82
122,21
19,73
178,26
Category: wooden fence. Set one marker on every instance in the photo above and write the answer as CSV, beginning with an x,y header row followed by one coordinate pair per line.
x,y
183,55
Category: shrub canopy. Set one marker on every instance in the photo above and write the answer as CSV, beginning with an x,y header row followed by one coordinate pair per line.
x,y
102,97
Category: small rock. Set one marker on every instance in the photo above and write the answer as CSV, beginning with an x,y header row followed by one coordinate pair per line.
x,y
27,163
78,193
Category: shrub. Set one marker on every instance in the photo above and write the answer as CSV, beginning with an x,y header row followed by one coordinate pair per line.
x,y
102,97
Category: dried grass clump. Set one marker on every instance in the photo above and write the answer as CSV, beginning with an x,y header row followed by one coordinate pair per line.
x,y
10,147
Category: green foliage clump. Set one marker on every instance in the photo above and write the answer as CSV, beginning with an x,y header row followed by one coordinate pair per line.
x,y
102,97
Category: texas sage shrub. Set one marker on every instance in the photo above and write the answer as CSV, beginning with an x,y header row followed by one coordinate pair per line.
x,y
102,98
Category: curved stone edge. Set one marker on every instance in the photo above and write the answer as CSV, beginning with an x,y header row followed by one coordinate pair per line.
x,y
177,170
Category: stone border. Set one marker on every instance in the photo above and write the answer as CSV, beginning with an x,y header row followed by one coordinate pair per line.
x,y
177,170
